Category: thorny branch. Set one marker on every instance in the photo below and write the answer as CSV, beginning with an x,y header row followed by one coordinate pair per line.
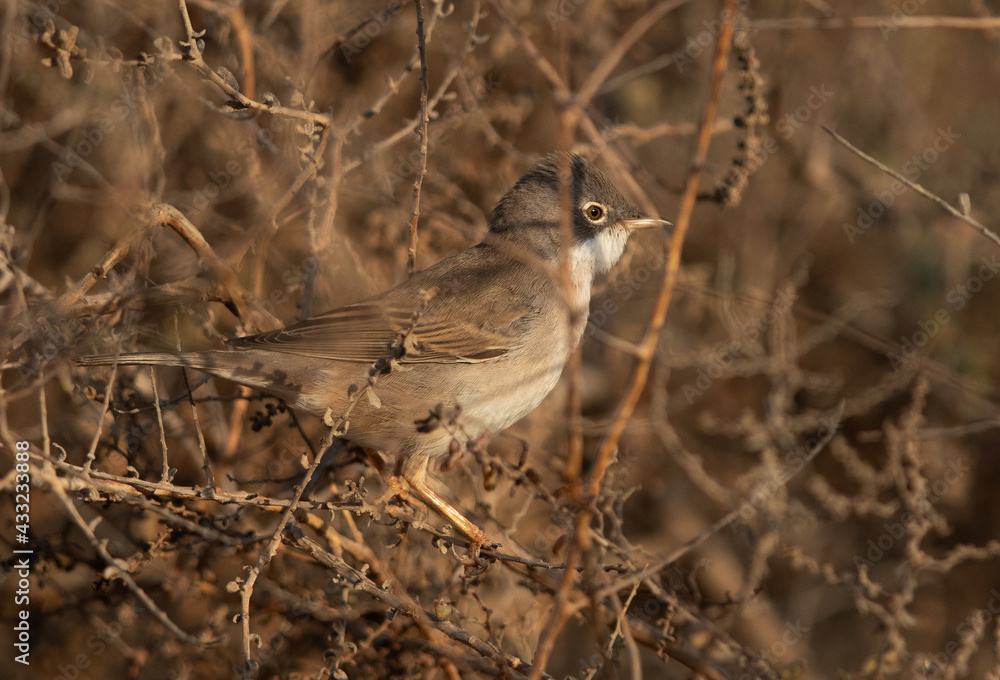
x,y
915,437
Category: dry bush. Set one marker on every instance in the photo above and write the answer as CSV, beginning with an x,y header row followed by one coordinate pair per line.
x,y
804,489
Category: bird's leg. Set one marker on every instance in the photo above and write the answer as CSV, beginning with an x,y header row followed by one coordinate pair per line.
x,y
329,458
393,487
451,513
414,470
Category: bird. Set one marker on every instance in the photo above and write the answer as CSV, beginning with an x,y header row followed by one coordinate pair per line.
x,y
464,348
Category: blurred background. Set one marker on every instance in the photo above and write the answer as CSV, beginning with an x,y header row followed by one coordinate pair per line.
x,y
821,413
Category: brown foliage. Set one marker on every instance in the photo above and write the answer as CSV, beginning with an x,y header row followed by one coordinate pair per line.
x,y
803,488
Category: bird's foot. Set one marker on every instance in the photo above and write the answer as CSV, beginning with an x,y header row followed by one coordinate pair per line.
x,y
473,562
395,489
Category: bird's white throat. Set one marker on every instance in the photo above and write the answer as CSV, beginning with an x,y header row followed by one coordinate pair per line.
x,y
595,256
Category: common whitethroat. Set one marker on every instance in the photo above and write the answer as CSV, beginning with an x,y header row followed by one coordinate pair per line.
x,y
483,334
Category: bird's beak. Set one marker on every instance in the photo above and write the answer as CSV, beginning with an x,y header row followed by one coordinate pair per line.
x,y
640,221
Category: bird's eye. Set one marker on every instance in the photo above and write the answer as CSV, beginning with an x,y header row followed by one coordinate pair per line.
x,y
595,212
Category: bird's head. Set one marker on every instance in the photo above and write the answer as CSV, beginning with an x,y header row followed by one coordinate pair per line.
x,y
529,214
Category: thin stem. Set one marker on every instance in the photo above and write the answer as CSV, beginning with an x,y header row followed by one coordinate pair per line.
x,y
411,253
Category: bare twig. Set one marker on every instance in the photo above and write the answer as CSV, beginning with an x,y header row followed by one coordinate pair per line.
x,y
117,568
165,471
411,252
647,346
729,518
955,212
884,23
607,64
267,553
393,87
92,452
253,315
192,54
456,65
357,580
132,488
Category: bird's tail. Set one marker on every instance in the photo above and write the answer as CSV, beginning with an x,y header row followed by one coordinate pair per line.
x,y
235,366
200,360
252,368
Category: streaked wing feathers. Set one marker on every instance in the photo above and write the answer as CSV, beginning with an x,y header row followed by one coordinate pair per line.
x,y
363,333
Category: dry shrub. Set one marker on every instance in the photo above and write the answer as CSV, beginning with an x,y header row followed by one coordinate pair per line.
x,y
803,491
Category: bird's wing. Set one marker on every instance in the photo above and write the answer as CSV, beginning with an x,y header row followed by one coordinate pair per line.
x,y
427,331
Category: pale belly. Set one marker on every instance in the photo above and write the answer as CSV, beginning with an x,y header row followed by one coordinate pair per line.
x,y
470,400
